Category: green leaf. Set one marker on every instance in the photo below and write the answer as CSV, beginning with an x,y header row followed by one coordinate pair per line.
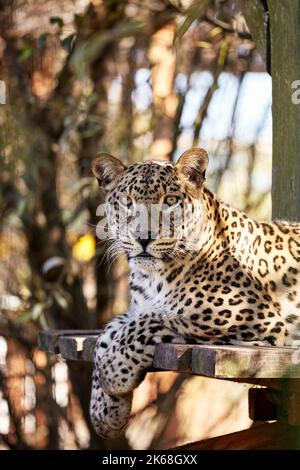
x,y
25,52
24,317
57,20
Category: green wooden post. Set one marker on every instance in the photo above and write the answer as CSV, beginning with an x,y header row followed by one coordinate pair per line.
x,y
285,69
284,17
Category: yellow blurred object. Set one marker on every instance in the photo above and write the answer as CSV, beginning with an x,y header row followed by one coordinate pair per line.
x,y
40,359
215,31
84,249
5,249
206,45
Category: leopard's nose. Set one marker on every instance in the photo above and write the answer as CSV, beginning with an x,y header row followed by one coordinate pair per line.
x,y
144,243
145,239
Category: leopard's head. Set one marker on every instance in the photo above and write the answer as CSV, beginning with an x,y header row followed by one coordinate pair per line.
x,y
155,209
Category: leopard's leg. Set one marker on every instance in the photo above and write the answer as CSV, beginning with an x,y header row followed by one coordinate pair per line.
x,y
109,414
131,351
123,366
122,358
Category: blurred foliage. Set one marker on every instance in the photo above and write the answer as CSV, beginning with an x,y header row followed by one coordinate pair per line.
x,y
84,248
94,76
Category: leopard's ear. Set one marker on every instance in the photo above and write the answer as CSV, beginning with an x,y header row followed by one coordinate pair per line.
x,y
107,170
192,164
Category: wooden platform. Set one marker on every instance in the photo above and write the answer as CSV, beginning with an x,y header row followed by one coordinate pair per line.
x,y
221,362
275,370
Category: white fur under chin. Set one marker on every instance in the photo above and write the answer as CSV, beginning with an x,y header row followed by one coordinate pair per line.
x,y
146,264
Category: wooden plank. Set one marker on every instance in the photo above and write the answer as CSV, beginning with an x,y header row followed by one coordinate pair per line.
x,y
244,362
175,357
273,436
48,341
70,347
88,348
249,364
77,348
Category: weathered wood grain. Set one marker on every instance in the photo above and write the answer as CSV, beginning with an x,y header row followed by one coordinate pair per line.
x,y
88,348
173,357
273,436
77,348
228,362
244,362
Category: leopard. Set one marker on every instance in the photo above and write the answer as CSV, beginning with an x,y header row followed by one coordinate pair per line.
x,y
216,277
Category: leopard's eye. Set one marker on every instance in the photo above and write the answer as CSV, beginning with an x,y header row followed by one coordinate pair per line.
x,y
171,200
126,201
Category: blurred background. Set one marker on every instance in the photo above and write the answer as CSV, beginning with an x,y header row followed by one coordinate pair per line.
x,y
140,80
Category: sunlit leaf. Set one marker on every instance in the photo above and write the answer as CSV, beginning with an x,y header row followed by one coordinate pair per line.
x,y
84,249
215,31
223,53
206,45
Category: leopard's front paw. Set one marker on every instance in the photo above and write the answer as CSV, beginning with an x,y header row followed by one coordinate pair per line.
x,y
119,376
110,415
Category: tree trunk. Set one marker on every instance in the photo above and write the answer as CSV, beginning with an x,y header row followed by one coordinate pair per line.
x,y
254,14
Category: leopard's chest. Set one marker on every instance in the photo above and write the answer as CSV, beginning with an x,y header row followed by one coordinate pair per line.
x,y
149,292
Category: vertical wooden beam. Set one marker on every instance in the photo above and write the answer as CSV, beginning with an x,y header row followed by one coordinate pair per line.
x,y
264,404
293,409
285,69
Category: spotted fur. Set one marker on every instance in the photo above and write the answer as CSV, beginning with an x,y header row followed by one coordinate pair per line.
x,y
239,284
